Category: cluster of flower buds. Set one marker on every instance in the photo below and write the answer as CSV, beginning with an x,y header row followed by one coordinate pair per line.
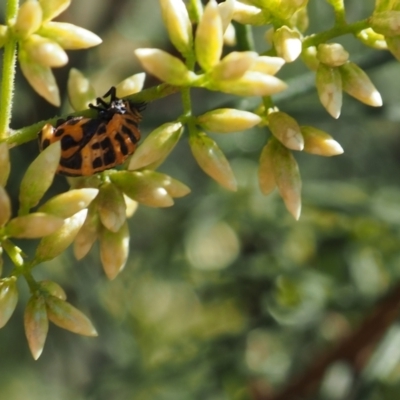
x,y
42,43
278,167
335,74
241,73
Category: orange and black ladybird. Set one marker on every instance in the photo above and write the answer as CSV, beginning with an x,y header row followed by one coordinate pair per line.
x,y
92,145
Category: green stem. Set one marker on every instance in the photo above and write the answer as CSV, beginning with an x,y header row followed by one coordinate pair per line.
x,y
8,75
336,31
244,37
15,254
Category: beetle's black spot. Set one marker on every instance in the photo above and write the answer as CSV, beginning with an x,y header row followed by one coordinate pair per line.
x,y
106,143
97,163
68,142
132,122
122,145
109,156
45,143
101,129
73,121
95,146
74,162
59,132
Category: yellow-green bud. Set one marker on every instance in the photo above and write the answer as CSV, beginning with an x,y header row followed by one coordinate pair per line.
x,y
176,19
44,51
372,39
131,206
80,91
332,54
64,315
319,142
114,250
67,204
234,65
300,20
252,83
286,130
393,44
33,226
39,176
267,65
287,43
52,288
329,86
357,84
29,19
287,178
230,36
4,31
226,10
157,145
53,245
248,15
266,178
173,187
5,165
142,188
36,324
5,207
165,67
111,207
386,22
288,7
309,57
40,77
87,235
8,299
212,160
69,36
131,85
209,38
53,8
226,120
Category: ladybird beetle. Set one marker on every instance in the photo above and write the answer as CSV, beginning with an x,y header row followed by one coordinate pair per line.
x,y
91,145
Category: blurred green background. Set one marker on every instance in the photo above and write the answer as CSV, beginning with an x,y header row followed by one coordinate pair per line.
x,y
224,295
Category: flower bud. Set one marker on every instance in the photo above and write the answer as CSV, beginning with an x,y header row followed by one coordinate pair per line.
x,y
288,7
357,84
267,65
157,145
319,142
52,288
372,39
287,178
176,20
309,57
53,8
68,317
251,84
287,43
329,86
44,51
332,54
33,226
114,250
69,36
386,23
5,165
212,160
53,245
69,203
8,299
300,20
226,10
234,65
265,170
165,67
111,207
36,324
141,187
173,187
40,77
5,207
226,120
29,19
87,235
80,91
393,44
131,206
39,176
286,130
209,38
131,85
230,36
248,15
